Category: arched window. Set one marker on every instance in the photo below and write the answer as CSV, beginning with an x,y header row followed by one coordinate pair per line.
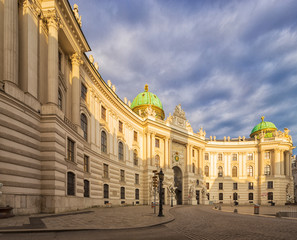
x,y
250,171
206,171
193,167
234,171
157,161
121,151
137,194
251,196
86,188
60,100
122,193
70,183
84,125
267,170
106,190
135,158
103,142
220,171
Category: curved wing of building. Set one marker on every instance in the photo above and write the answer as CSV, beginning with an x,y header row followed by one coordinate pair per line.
x,y
68,142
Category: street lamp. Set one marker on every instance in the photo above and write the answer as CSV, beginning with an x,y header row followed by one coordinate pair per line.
x,y
155,185
161,178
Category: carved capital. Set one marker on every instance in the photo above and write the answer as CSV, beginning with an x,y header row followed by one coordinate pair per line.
x,y
31,5
76,59
52,19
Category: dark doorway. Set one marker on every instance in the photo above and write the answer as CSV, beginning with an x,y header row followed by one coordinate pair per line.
x,y
178,183
198,196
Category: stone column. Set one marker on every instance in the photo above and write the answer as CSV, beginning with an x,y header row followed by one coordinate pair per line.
x,y
75,61
29,41
53,73
188,161
148,149
277,162
10,50
287,163
256,171
166,153
261,163
170,152
240,163
153,160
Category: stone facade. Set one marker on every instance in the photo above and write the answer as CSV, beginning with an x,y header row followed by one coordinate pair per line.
x,y
68,142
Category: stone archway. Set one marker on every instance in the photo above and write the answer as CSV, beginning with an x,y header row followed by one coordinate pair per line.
x,y
178,183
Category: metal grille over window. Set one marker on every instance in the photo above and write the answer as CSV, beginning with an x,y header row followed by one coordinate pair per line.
x,y
60,99
136,178
84,125
103,113
157,143
135,158
106,191
86,163
122,193
120,126
121,151
105,170
137,194
70,150
267,170
84,91
70,183
103,142
122,175
86,188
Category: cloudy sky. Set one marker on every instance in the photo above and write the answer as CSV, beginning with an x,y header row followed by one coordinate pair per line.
x,y
226,62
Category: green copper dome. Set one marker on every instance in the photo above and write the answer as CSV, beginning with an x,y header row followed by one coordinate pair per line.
x,y
147,99
263,126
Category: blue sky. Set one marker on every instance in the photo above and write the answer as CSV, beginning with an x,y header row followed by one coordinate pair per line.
x,y
226,62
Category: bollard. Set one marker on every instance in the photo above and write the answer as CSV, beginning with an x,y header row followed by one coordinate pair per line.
x,y
220,208
235,210
256,209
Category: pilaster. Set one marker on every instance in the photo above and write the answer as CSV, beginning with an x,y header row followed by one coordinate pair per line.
x,y
10,49
53,23
75,61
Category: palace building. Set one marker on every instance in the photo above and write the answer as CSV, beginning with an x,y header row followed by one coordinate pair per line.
x,y
68,142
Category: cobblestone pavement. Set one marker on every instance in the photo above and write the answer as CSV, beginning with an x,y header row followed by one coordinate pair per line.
x,y
202,222
94,218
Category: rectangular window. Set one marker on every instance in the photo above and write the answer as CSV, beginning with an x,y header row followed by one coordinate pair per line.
x,y
103,113
86,188
235,186
157,143
60,60
122,175
234,157
270,196
120,126
193,153
220,157
137,194
70,183
270,184
70,150
249,156
122,193
136,178
135,136
251,185
207,185
106,191
105,170
220,186
206,156
221,196
86,163
84,91
267,155
251,196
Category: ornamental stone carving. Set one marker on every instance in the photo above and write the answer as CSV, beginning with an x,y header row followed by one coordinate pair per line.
x,y
52,19
179,119
201,133
75,11
76,59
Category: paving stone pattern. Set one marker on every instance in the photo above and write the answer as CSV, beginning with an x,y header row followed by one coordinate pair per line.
x,y
202,222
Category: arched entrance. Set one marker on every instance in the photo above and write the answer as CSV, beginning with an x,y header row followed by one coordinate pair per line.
x,y
178,183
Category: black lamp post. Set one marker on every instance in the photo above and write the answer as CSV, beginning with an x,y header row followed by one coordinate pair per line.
x,y
161,178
